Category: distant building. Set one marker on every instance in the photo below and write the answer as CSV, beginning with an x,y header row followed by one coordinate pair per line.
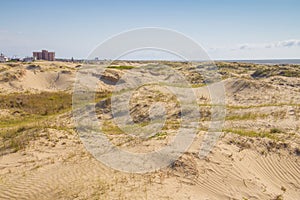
x,y
44,55
28,59
3,58
15,59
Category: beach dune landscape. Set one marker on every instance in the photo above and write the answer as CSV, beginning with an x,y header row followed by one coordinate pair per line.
x,y
256,156
150,100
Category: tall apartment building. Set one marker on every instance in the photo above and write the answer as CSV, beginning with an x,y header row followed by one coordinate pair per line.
x,y
44,55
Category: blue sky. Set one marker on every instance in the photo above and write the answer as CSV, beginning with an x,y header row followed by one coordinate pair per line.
x,y
241,29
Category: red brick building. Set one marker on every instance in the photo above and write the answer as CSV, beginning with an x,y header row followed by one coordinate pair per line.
x,y
44,55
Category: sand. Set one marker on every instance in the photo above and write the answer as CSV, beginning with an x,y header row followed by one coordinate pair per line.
x,y
56,165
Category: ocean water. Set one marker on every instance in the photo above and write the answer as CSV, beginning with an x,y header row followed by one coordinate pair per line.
x,y
271,62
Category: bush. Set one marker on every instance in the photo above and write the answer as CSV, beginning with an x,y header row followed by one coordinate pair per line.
x,y
297,151
261,73
275,130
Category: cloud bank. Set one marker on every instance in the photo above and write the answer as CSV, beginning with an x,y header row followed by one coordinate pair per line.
x,y
278,44
287,43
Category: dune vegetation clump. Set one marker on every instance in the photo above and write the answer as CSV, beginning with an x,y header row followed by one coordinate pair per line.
x,y
29,114
44,103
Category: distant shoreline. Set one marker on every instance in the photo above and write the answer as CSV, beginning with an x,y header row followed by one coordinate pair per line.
x,y
265,61
255,61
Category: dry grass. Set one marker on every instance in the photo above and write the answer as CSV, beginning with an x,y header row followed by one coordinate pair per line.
x,y
246,116
252,133
45,103
31,113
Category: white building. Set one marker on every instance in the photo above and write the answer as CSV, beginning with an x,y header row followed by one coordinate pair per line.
x,y
3,58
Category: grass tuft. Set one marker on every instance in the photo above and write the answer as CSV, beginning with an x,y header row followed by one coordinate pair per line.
x,y
251,133
121,67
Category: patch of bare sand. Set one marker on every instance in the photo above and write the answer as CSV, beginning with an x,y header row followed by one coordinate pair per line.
x,y
37,77
57,166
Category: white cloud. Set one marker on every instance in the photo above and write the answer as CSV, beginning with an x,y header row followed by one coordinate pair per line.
x,y
278,44
277,49
245,46
287,43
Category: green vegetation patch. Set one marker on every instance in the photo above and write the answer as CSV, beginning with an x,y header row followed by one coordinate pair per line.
x,y
45,103
276,71
261,105
246,116
29,113
121,67
13,139
160,135
251,133
16,138
110,128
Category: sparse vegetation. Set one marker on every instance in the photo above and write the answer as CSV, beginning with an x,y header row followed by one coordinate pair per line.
x,y
31,112
16,139
275,130
110,128
45,103
121,67
160,135
39,126
278,197
246,116
269,71
261,105
33,67
262,72
251,133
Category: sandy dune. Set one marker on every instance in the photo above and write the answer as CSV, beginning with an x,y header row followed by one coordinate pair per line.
x,y
68,172
256,157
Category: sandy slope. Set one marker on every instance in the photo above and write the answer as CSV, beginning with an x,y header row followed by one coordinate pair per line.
x,y
56,165
37,77
66,171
